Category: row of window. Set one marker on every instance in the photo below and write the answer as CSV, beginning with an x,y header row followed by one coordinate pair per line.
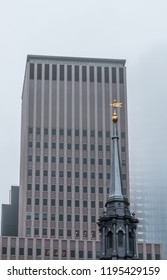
x,y
61,188
47,252
69,160
69,146
69,132
77,74
69,202
68,218
69,174
60,232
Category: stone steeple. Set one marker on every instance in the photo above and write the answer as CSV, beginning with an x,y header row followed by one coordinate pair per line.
x,y
117,225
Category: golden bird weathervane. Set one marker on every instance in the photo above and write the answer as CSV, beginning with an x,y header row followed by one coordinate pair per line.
x,y
115,105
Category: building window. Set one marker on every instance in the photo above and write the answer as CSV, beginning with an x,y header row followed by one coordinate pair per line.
x,y
107,133
44,231
69,73
69,174
83,73
100,189
36,216
100,148
38,252
114,80
29,187
91,72
84,160
84,147
37,173
92,161
100,134
45,202
52,232
29,158
140,256
85,233
61,218
28,216
157,257
120,238
29,172
89,254
53,203
77,175
54,72
61,188
92,204
61,146
99,74
93,219
68,188
84,175
55,252
45,145
53,131
29,251
81,255
68,132
45,173
108,176
149,256
61,202
76,73
38,131
100,161
72,253
53,173
61,131
100,204
76,146
68,218
31,71
85,218
92,174
12,251
28,231
52,217
60,232
46,131
85,189
36,231
110,239
107,148
53,159
76,188
69,232
47,252
76,132
61,72
64,253
76,218
121,76
84,133
92,147
61,174
36,201
45,188
45,159
53,145
69,146
44,216
92,189
76,233
4,250
92,133
76,203
108,162
28,201
106,74
85,203
39,71
100,175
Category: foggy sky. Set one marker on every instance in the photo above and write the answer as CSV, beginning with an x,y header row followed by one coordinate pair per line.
x,y
131,30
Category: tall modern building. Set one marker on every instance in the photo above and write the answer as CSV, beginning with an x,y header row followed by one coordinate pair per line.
x,y
66,151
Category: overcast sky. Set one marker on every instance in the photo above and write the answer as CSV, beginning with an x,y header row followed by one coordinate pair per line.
x,y
135,30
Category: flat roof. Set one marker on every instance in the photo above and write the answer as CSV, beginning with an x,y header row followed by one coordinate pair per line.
x,y
77,59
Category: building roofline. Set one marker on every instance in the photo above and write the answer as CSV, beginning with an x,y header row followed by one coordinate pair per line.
x,y
77,59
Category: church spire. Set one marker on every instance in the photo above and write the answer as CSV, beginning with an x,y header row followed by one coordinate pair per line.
x,y
115,190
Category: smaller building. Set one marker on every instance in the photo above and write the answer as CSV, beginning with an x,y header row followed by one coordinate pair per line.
x,y
9,220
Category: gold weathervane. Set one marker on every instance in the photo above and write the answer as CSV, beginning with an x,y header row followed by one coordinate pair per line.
x,y
115,105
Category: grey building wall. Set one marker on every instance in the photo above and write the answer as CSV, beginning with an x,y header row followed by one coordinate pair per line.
x,y
9,219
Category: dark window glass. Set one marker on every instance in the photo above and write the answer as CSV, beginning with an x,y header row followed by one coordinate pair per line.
x,y
123,176
61,202
45,173
91,74
69,146
106,75
92,175
99,133
121,76
68,218
45,145
45,202
123,149
100,147
69,132
36,201
12,251
28,201
46,71
60,217
84,146
61,145
29,158
39,71
38,252
53,188
61,173
44,231
53,159
92,204
93,219
84,133
76,73
107,161
100,204
85,175
85,217
69,160
99,74
92,133
100,190
60,232
54,72
38,130
29,187
84,189
36,216
53,131
76,174
31,71
38,144
29,251
30,130
110,239
76,132
120,238
100,175
84,203
108,176
61,72
84,160
76,218
30,144
114,80
64,253
52,217
69,203
76,188
61,188
46,131
69,73
44,217
76,203
89,254
92,161
69,174
149,257
45,159
84,73
157,256
61,131
107,133
53,145
4,250
72,253
55,252
52,232
81,255
140,256
100,161
45,188
68,232
68,188
52,202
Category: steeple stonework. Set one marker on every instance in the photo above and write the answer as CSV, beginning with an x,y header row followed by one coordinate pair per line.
x,y
117,225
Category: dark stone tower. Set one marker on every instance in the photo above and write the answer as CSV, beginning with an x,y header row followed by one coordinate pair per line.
x,y
117,225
